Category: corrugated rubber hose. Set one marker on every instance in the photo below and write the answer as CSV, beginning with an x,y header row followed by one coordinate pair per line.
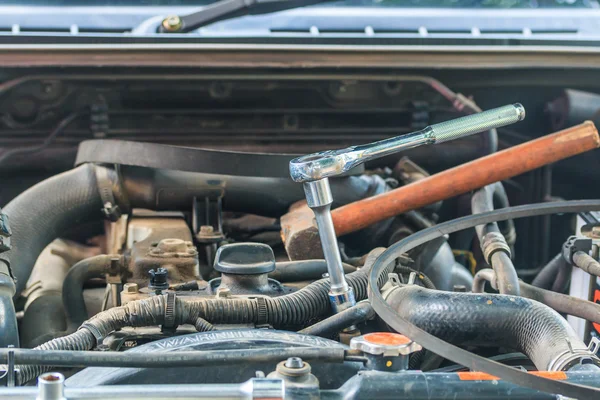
x,y
293,309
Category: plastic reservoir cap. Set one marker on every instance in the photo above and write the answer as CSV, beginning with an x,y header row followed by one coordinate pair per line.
x,y
387,338
245,259
384,343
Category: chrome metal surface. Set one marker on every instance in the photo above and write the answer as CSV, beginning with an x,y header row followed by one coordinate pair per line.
x,y
257,388
330,250
341,301
335,162
318,193
51,386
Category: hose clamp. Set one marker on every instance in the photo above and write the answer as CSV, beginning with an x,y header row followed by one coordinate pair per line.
x,y
262,315
493,242
571,357
110,209
93,330
170,304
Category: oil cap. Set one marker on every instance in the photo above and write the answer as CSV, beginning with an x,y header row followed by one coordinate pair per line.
x,y
245,259
385,351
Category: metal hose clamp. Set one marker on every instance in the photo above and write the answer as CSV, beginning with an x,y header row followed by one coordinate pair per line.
x,y
493,242
170,305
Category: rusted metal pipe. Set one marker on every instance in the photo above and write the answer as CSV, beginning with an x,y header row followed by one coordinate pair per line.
x,y
299,233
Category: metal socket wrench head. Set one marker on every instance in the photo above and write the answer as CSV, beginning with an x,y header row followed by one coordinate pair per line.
x,y
336,162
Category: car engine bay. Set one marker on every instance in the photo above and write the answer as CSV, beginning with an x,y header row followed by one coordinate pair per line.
x,y
336,234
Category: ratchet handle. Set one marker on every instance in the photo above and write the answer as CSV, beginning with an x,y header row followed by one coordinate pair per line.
x,y
328,163
483,121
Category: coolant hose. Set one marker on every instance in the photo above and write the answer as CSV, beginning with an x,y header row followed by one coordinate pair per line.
x,y
494,245
484,200
548,277
45,211
482,319
562,303
72,295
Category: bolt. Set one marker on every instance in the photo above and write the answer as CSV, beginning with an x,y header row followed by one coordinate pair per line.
x,y
172,23
206,230
130,288
171,246
223,292
294,362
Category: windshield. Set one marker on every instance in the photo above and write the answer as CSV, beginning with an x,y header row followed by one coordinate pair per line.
x,y
500,4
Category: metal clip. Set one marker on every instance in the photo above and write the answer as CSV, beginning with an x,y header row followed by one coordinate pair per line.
x,y
594,345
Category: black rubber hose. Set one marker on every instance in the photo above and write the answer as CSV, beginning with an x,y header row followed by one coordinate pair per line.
x,y
9,331
303,270
203,325
175,359
587,263
72,294
506,274
337,322
563,303
45,211
547,276
560,302
489,198
563,278
490,320
44,320
450,351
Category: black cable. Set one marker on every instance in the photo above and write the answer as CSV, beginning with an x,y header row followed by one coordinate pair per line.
x,y
62,125
454,353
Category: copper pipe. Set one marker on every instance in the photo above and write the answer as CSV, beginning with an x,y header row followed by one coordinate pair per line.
x,y
466,177
300,235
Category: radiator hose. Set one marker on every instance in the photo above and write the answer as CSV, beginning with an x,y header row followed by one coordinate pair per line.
x,y
45,211
482,319
292,309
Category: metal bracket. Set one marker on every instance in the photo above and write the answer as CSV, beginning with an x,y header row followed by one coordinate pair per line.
x,y
594,345
394,279
207,222
110,209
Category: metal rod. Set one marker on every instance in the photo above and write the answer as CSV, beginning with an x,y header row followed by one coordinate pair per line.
x,y
264,388
319,199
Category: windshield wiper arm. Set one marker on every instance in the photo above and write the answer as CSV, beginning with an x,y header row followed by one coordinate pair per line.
x,y
227,9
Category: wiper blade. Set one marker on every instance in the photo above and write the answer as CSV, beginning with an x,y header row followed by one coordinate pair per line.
x,y
227,9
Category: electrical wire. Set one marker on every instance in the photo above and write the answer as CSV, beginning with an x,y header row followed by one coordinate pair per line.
x,y
452,352
20,151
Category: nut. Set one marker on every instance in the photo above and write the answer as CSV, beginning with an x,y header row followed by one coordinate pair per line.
x,y
130,288
172,23
206,230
